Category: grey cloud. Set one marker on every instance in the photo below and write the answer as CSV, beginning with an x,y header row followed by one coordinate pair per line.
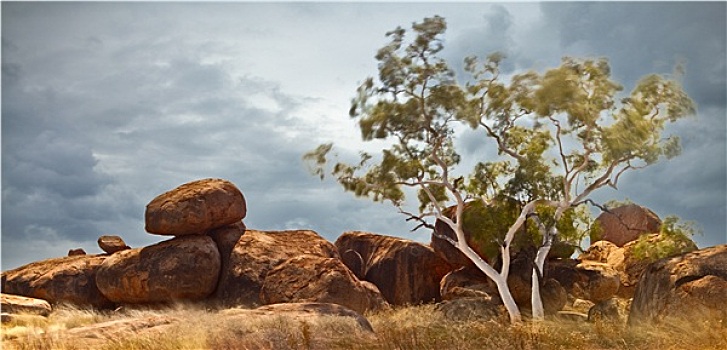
x,y
107,105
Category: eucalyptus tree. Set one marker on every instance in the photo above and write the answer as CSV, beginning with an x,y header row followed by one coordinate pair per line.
x,y
561,135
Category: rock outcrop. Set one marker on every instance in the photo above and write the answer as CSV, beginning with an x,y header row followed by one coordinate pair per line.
x,y
310,278
406,272
626,223
692,286
258,252
183,268
195,207
69,280
111,244
624,261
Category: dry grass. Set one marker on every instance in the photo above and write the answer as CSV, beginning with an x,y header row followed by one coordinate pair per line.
x,y
406,328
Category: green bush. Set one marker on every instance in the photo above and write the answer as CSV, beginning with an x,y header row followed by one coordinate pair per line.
x,y
675,238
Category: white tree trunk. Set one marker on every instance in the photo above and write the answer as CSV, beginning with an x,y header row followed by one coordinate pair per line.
x,y
499,279
536,300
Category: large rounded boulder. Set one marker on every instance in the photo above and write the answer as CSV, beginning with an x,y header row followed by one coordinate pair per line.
x,y
406,272
256,253
70,280
310,278
691,286
626,223
183,268
195,207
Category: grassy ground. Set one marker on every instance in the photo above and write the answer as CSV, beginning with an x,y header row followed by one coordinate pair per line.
x,y
418,328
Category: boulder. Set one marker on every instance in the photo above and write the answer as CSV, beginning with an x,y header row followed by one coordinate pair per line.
x,y
183,268
467,283
406,272
625,224
604,311
602,251
470,309
16,304
691,286
195,207
69,280
77,251
310,278
112,244
587,280
256,253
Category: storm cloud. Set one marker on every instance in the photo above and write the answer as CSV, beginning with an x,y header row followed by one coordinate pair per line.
x,y
106,105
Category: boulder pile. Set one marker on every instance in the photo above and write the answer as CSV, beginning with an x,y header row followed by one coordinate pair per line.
x,y
213,258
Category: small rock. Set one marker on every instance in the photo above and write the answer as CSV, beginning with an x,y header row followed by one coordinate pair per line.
x,y
112,244
77,251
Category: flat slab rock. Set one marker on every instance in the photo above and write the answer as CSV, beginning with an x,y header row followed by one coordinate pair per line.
x,y
195,207
16,304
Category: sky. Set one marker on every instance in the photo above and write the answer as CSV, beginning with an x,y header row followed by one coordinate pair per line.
x,y
107,105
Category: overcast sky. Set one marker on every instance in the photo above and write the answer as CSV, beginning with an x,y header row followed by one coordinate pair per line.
x,y
106,105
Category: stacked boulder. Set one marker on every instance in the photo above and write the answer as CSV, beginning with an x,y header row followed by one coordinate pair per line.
x,y
211,257
185,267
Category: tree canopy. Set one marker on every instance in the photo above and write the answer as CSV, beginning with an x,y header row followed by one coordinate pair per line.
x,y
561,134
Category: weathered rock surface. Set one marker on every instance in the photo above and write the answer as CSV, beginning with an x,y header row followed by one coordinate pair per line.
x,y
16,304
467,283
195,207
310,278
406,272
256,253
176,269
587,280
625,224
69,280
606,310
692,286
112,244
226,238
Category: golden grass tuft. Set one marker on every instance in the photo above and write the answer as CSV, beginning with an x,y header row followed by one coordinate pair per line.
x,y
418,327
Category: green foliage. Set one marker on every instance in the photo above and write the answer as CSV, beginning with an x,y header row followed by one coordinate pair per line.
x,y
486,225
674,238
